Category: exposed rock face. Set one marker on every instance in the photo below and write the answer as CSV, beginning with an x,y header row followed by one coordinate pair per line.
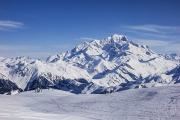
x,y
6,86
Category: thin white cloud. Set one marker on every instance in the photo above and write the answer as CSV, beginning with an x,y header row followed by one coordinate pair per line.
x,y
160,45
152,28
35,51
164,39
7,47
153,42
6,25
83,39
14,47
87,38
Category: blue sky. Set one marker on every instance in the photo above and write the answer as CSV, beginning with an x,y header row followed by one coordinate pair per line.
x,y
39,28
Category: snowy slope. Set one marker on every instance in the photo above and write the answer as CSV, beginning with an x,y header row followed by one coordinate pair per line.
x,y
173,56
27,73
99,66
162,103
116,60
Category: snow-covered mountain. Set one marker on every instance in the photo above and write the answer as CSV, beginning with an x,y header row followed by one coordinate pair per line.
x,y
99,66
28,74
173,56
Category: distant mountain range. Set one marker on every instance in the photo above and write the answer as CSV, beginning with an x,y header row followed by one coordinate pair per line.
x,y
99,66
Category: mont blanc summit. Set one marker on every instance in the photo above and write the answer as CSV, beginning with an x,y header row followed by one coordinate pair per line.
x,y
99,66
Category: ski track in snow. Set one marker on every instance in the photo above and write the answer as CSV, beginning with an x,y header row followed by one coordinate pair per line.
x,y
162,103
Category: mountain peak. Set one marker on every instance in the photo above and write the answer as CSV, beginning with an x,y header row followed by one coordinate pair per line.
x,y
117,38
93,66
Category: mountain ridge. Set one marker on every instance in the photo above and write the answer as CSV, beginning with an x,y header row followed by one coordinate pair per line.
x,y
98,66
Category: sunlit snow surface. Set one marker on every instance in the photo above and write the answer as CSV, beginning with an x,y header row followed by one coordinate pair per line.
x,y
98,66
161,103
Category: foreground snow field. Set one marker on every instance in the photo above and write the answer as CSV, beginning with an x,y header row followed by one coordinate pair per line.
x,y
162,103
